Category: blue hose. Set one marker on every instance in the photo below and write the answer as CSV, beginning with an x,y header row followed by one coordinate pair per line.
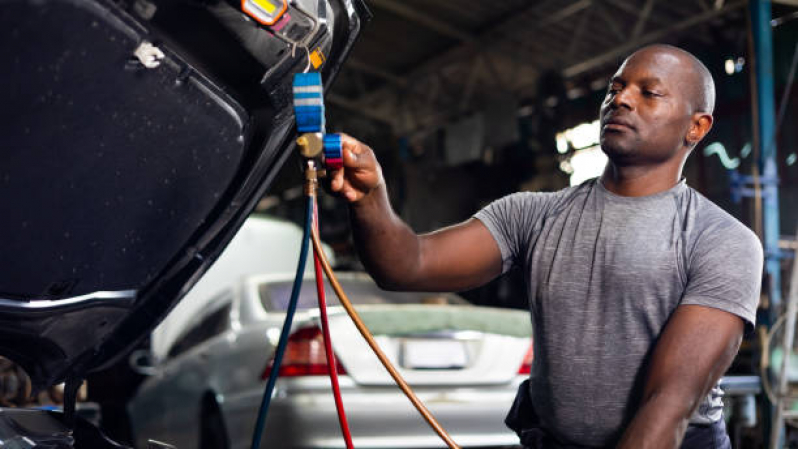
x,y
289,318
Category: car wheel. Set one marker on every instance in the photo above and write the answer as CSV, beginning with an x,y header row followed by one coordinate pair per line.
x,y
213,434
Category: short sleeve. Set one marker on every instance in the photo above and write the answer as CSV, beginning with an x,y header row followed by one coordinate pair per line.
x,y
511,220
725,271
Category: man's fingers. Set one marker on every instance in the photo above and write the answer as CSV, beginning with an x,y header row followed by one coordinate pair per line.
x,y
350,194
347,140
337,182
360,173
354,152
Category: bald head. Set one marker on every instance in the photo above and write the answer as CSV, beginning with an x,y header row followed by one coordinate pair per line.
x,y
701,87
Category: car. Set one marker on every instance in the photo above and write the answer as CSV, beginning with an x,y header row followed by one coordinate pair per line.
x,y
138,135
264,244
464,361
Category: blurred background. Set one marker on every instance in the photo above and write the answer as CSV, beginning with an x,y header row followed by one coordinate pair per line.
x,y
465,101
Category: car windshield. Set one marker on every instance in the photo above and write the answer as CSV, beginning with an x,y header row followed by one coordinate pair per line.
x,y
276,295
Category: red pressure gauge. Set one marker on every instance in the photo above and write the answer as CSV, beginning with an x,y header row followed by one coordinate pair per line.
x,y
266,12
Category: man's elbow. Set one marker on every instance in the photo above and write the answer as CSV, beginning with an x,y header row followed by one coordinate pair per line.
x,y
388,284
391,282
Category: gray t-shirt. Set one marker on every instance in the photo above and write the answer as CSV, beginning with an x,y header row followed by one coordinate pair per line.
x,y
603,274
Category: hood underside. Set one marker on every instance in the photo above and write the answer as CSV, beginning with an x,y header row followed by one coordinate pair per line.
x,y
137,137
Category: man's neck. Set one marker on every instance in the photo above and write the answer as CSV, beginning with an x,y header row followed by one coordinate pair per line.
x,y
639,181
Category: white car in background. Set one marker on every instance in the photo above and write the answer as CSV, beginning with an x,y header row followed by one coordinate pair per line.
x,y
464,362
262,245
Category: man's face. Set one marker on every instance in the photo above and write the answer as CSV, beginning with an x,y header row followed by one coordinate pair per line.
x,y
646,113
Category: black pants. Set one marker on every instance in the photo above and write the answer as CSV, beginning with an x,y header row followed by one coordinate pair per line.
x,y
697,437
713,436
522,419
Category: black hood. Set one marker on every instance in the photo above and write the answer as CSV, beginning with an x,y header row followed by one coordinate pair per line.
x,y
137,135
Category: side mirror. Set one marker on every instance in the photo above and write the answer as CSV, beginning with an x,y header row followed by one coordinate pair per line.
x,y
143,362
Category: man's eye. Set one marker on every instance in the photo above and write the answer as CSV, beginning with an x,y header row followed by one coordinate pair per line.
x,y
649,93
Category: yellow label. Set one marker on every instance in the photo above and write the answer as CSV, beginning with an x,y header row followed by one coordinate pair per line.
x,y
266,5
317,58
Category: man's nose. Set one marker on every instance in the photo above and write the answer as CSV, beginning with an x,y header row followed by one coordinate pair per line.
x,y
623,98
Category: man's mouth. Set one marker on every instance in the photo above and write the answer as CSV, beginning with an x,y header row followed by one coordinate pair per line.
x,y
617,124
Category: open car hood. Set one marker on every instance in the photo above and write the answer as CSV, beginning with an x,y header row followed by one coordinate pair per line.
x,y
137,137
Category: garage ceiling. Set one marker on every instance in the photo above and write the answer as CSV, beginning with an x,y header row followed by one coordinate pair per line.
x,y
421,64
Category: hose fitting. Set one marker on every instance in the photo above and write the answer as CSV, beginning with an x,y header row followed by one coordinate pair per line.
x,y
312,175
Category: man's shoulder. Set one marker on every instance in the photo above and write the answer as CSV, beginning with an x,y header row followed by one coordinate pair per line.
x,y
724,264
528,210
712,224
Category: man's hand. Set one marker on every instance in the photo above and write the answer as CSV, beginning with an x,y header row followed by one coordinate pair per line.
x,y
696,347
361,173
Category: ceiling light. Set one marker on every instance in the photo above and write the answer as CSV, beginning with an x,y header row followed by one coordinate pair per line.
x,y
729,66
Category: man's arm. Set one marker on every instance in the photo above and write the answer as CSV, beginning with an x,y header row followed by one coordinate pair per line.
x,y
694,350
455,258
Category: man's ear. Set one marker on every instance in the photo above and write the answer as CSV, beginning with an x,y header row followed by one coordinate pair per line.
x,y
700,125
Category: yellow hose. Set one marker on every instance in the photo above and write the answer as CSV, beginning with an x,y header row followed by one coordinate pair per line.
x,y
374,347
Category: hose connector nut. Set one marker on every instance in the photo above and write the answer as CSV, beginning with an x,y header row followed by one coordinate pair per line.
x,y
311,179
310,145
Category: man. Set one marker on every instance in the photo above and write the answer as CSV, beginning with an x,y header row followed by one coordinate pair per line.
x,y
639,287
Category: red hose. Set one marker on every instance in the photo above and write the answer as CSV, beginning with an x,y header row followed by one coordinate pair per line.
x,y
331,365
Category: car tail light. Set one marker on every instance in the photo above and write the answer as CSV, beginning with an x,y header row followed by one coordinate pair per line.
x,y
304,356
526,365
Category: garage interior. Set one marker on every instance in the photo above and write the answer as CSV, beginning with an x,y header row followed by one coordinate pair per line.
x,y
468,101
450,93
465,102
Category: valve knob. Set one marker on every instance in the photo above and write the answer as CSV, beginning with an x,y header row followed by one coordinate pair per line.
x,y
333,151
310,145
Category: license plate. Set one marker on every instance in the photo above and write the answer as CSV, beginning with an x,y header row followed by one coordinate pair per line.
x,y
434,354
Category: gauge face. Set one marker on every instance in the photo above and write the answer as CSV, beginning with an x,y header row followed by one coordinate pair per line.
x,y
266,12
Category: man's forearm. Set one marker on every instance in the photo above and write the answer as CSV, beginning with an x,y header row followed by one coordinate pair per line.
x,y
388,248
696,347
660,423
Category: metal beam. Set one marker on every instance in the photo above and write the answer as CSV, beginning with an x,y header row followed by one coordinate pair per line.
x,y
401,9
469,40
564,13
511,22
623,50
473,77
631,9
578,33
612,24
517,57
641,20
404,86
491,65
536,47
360,66
352,106
762,34
679,9
443,28
465,50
